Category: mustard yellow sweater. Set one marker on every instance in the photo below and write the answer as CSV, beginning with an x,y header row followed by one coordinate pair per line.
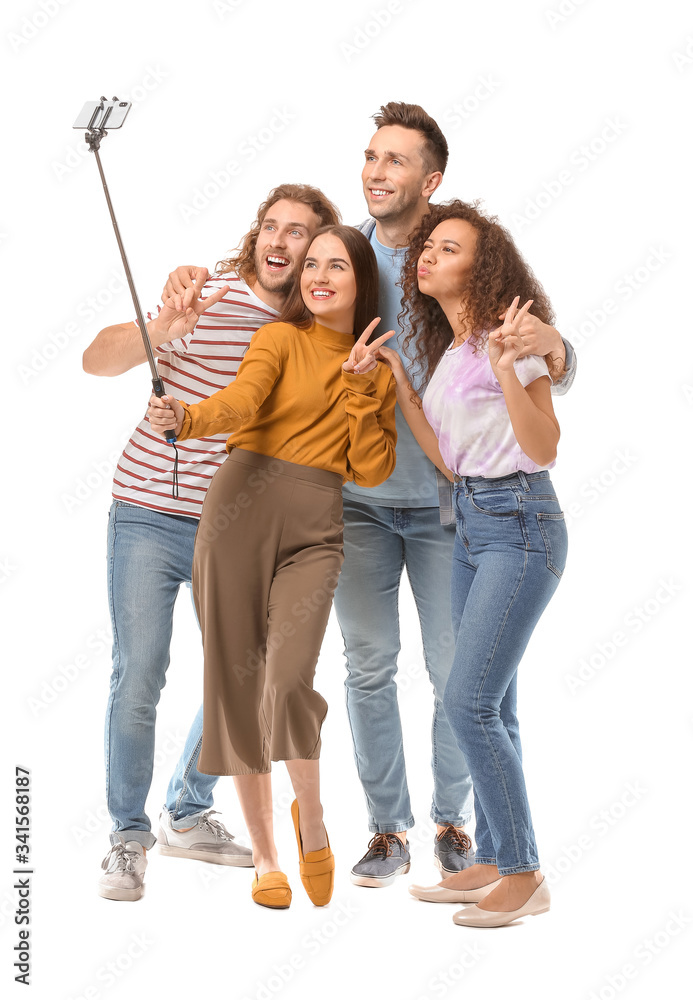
x,y
291,400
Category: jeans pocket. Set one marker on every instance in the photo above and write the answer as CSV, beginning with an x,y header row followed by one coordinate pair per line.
x,y
555,535
495,503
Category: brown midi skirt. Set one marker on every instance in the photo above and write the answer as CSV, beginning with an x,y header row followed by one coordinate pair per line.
x,y
268,552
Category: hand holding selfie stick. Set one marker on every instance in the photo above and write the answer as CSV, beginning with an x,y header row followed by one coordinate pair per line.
x,y
96,118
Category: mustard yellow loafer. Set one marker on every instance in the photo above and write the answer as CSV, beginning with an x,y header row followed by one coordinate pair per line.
x,y
272,889
316,867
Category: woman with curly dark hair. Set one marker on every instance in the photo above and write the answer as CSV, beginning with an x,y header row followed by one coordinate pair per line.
x,y
487,422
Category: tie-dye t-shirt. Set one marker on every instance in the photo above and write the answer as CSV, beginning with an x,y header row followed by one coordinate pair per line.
x,y
465,406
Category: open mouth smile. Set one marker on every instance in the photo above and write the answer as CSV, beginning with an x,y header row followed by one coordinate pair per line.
x,y
321,294
379,193
275,263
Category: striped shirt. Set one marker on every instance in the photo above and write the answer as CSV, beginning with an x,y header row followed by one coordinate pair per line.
x,y
192,368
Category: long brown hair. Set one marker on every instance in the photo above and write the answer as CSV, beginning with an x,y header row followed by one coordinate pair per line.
x,y
242,259
498,274
365,265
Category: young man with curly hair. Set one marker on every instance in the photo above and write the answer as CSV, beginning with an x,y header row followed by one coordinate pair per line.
x,y
151,534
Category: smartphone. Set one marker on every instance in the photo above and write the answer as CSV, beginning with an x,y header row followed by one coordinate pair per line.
x,y
103,114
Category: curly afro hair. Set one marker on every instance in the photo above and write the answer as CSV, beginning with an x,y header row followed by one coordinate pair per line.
x,y
498,274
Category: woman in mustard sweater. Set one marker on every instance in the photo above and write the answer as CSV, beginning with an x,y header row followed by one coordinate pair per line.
x,y
310,408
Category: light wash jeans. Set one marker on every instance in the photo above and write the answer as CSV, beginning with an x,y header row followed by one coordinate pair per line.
x,y
149,557
510,552
378,543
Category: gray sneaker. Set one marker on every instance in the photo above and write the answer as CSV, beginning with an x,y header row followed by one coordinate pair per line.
x,y
124,865
452,851
208,840
386,858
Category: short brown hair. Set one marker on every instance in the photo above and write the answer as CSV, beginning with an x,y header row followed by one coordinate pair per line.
x,y
365,265
435,146
242,259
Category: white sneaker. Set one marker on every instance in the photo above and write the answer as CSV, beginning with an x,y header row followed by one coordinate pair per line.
x,y
208,840
124,865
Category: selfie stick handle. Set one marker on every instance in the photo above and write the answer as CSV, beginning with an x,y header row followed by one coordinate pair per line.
x,y
93,140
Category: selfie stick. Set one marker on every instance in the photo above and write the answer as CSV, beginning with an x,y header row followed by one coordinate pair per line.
x,y
95,133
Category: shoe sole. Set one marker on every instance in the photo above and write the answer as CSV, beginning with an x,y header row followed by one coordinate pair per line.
x,y
272,906
378,882
446,902
218,859
449,871
505,923
124,895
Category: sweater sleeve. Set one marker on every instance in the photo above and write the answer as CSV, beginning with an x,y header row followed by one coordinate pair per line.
x,y
561,387
230,408
370,408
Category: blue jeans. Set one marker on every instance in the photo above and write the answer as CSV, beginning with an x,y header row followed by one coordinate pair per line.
x,y
378,543
510,552
149,557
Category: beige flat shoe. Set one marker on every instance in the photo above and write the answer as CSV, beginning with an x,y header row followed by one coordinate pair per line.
x,y
440,894
473,916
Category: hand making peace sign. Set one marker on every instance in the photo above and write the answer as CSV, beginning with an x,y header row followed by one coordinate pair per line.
x,y
361,359
505,343
180,313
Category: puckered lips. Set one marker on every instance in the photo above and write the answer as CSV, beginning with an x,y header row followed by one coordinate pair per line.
x,y
276,262
422,270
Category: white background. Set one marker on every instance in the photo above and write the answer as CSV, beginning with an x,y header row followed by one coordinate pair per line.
x,y
575,114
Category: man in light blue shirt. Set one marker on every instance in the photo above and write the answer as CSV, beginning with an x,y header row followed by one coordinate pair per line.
x,y
397,525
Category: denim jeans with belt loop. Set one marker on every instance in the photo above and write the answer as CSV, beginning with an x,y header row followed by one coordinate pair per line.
x,y
510,552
